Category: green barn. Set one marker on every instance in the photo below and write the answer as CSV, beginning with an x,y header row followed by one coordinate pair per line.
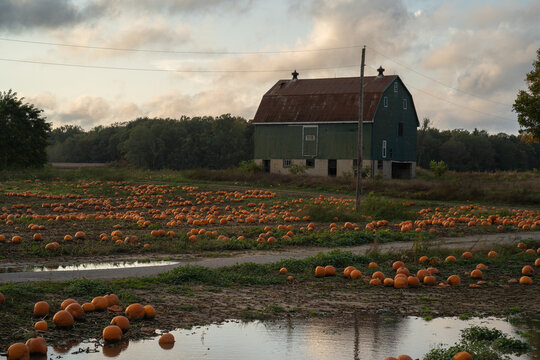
x,y
314,123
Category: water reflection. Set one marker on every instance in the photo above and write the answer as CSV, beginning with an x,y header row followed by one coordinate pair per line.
x,y
362,337
85,266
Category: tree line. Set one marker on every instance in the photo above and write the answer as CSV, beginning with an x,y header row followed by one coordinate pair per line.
x,y
224,141
209,142
462,150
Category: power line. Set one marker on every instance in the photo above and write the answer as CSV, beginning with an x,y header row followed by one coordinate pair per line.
x,y
169,70
437,81
187,52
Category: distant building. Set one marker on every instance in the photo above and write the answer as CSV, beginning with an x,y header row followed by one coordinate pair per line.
x,y
314,122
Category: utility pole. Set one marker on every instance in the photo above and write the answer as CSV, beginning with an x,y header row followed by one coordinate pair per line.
x,y
360,126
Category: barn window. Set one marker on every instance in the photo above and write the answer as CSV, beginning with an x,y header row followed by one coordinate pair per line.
x,y
379,164
384,148
286,163
310,137
404,104
395,87
386,101
400,129
310,163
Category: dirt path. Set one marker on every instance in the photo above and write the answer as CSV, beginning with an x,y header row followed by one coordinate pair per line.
x,y
476,242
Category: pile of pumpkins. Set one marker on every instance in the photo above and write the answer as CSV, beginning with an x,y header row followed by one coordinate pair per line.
x,y
72,311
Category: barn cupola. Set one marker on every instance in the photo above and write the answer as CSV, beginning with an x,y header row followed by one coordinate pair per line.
x,y
381,71
294,75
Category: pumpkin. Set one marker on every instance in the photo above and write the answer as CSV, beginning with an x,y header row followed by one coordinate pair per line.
x,y
41,326
423,259
355,274
413,281
88,307
100,302
400,282
513,281
492,254
433,270
373,265
421,274
112,333
37,237
378,275
347,271
330,270
522,245
16,239
525,280
476,274
66,302
375,282
450,259
463,356
527,270
121,321
319,271
76,311
149,312
388,282
290,278
135,311
80,235
536,263
481,267
530,252
283,270
403,270
112,299
429,280
167,338
390,358
404,357
63,319
453,280
37,345
68,238
41,308
467,255
18,351
397,264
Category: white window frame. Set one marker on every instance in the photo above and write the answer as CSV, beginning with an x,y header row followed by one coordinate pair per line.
x,y
385,100
384,149
287,163
395,87
404,104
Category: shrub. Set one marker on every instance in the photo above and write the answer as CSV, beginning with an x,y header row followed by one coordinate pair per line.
x,y
438,167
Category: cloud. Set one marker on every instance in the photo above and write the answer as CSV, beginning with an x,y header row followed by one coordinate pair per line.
x,y
17,15
182,6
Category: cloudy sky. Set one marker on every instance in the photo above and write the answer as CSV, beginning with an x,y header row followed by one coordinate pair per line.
x,y
97,62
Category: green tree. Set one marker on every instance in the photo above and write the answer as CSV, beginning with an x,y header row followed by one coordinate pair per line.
x,y
527,104
23,133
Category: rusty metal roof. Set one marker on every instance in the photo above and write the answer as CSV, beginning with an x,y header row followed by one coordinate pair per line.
x,y
321,100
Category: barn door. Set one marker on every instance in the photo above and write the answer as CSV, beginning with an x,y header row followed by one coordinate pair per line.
x,y
309,140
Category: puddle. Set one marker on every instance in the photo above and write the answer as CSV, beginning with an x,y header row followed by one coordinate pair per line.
x,y
371,337
86,266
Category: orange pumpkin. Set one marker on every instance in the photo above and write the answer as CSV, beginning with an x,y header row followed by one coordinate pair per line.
x,y
355,274
112,333
429,280
41,326
375,282
41,308
423,259
373,265
80,235
135,311
527,270
476,274
37,345
453,280
404,357
283,270
112,299
522,245
319,271
400,282
463,356
467,255
413,281
347,271
378,275
63,319
76,311
121,321
536,263
66,302
421,274
450,259
330,270
525,280
397,264
149,312
167,338
388,282
18,351
403,270
88,307
100,303
433,270
492,254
